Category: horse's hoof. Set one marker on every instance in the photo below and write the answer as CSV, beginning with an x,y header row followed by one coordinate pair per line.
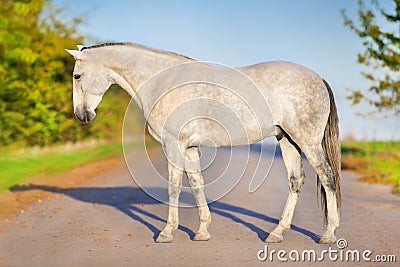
x,y
274,238
163,238
201,237
327,240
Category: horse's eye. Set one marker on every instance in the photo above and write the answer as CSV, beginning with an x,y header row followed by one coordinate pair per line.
x,y
77,76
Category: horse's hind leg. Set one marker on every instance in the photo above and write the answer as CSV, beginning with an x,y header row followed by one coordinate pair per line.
x,y
196,183
317,158
174,189
292,157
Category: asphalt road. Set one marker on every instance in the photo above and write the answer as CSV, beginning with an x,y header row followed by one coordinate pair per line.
x,y
110,221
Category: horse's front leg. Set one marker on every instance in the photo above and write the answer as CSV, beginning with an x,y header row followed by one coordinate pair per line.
x,y
174,189
196,182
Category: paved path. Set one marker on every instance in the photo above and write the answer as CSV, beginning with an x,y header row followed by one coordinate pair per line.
x,y
109,221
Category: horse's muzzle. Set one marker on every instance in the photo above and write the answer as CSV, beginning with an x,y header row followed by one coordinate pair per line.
x,y
85,116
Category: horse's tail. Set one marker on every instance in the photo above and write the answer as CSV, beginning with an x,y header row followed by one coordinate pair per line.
x,y
331,147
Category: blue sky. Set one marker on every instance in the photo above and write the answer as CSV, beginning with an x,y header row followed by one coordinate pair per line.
x,y
236,33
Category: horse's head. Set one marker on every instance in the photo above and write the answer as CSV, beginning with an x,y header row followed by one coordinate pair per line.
x,y
90,82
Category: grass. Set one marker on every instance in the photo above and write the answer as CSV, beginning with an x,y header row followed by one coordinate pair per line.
x,y
17,167
377,161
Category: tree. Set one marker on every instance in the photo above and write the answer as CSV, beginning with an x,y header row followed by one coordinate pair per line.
x,y
380,31
34,73
36,79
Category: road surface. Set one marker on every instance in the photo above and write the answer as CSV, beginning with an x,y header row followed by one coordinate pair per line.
x,y
110,221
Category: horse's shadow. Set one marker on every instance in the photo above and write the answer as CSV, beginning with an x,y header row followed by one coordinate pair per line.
x,y
130,199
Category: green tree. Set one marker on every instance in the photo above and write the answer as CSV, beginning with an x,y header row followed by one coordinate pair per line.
x,y
380,31
33,71
36,83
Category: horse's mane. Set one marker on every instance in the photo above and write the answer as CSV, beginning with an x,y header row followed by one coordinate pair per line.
x,y
134,45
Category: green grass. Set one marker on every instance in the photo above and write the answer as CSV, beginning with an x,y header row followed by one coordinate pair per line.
x,y
17,167
378,161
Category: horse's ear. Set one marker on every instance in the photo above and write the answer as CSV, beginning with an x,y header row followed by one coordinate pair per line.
x,y
80,47
75,53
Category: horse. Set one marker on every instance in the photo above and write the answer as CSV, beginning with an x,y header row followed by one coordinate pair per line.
x,y
188,104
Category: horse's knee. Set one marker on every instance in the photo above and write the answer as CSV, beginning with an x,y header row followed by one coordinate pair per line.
x,y
174,189
296,183
195,180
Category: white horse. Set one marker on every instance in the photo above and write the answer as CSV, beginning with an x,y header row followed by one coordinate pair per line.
x,y
282,99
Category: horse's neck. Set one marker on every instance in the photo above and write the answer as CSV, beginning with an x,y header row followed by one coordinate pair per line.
x,y
133,66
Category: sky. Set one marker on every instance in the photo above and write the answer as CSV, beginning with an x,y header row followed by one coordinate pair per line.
x,y
238,33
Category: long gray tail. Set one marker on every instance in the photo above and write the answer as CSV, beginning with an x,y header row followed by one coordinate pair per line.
x,y
331,147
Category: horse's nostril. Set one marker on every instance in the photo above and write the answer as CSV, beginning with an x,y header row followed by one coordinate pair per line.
x,y
86,116
78,115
